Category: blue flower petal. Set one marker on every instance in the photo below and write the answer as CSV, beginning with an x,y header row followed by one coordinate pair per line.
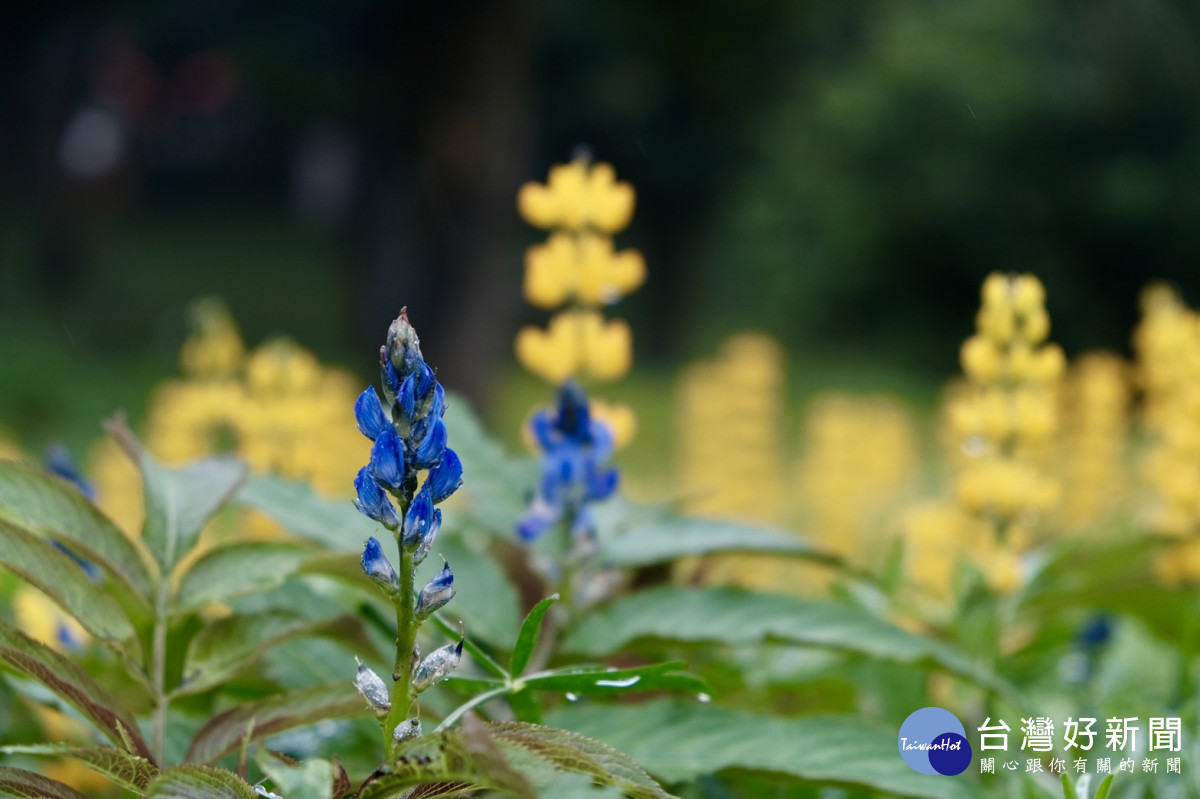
x,y
372,501
376,565
418,519
430,449
445,478
537,519
387,459
406,397
601,483
368,413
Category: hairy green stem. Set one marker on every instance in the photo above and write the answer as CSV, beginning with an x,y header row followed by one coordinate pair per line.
x,y
406,639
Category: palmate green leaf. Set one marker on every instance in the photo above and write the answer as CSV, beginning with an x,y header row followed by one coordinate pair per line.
x,y
571,752
531,631
302,512
249,567
66,679
312,779
228,645
199,782
663,540
51,507
224,733
495,484
737,617
179,502
681,741
124,769
59,577
486,601
606,680
22,784
447,764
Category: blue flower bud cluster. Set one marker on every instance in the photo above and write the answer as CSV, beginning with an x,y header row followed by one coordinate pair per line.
x,y
575,475
409,437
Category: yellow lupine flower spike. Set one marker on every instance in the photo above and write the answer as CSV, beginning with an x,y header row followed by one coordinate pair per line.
x,y
578,195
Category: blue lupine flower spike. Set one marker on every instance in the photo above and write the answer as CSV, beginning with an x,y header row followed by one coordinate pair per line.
x,y
575,450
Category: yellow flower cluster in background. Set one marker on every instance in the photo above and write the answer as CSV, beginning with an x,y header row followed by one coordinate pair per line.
x,y
858,457
276,407
1096,399
730,461
1006,420
579,271
1168,348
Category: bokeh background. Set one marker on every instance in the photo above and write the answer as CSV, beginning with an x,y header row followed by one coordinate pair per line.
x,y
840,176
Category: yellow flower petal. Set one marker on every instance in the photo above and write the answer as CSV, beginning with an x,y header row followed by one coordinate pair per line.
x,y
576,196
551,271
548,354
605,276
619,418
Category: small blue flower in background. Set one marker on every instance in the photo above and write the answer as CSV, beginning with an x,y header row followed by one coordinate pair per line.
x,y
575,452
409,437
60,462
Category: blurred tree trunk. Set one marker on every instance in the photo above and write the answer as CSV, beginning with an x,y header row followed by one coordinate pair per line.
x,y
445,216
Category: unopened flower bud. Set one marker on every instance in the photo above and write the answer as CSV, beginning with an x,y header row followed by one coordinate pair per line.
x,y
372,688
436,593
437,666
376,566
407,730
403,346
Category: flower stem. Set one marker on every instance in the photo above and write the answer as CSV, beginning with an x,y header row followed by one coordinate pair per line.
x,y
158,669
406,638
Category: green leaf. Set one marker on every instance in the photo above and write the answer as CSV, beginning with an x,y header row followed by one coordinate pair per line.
x,y
53,508
667,539
575,753
199,782
66,679
239,569
605,680
179,502
531,631
228,645
1068,788
224,734
494,484
737,617
59,577
486,601
1104,787
332,523
312,779
124,769
447,764
680,741
22,784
